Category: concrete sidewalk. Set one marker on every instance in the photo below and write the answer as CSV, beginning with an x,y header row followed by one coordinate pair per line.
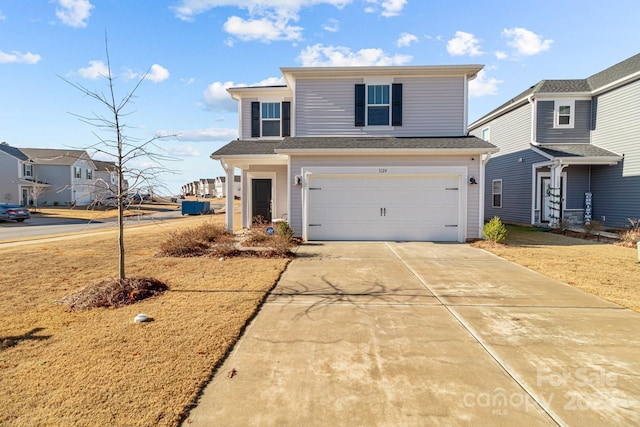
x,y
426,334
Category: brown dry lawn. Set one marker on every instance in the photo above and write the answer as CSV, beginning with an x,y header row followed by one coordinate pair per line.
x,y
97,367
607,270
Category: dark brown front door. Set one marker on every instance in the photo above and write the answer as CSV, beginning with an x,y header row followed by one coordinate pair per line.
x,y
261,199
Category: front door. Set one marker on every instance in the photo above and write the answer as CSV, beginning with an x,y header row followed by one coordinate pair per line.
x,y
261,200
25,197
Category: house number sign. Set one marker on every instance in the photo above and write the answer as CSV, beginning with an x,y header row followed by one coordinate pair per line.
x,y
382,170
587,208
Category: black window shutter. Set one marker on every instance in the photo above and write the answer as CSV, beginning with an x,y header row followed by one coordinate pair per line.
x,y
286,119
360,107
396,104
255,120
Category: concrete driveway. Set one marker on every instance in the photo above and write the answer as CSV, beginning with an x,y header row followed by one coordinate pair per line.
x,y
421,334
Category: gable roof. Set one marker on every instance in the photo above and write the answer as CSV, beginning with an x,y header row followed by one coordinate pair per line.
x,y
102,166
13,152
51,156
578,153
620,73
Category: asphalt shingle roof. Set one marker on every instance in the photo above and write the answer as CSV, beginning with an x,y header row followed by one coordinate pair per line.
x,y
576,150
46,156
237,148
616,72
13,151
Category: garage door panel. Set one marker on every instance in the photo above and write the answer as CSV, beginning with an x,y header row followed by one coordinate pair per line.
x,y
419,208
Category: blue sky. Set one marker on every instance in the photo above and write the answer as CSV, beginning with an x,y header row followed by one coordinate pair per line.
x,y
194,49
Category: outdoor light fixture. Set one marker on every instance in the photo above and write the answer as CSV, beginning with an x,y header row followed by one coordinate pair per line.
x,y
298,179
472,180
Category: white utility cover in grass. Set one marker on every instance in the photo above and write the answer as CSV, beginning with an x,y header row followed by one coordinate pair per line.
x,y
390,207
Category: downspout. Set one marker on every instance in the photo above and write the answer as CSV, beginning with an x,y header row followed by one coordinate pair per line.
x,y
483,162
533,120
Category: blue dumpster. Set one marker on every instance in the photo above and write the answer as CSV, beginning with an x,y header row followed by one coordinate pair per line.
x,y
190,207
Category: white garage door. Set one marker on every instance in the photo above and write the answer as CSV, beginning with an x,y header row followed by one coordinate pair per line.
x,y
400,208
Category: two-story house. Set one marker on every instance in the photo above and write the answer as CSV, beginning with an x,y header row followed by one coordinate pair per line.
x,y
221,188
18,183
361,153
569,150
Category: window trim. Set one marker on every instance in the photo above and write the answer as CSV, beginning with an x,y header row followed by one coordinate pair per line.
x,y
277,120
488,135
89,173
557,104
77,172
284,119
494,193
27,167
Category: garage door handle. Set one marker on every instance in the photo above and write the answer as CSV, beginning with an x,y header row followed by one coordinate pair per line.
x,y
385,211
451,225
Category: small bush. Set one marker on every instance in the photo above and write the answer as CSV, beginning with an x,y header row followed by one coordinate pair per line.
x,y
114,293
592,227
283,229
494,230
631,237
210,232
184,244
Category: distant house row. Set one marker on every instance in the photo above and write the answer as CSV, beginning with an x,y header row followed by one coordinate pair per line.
x,y
43,176
212,187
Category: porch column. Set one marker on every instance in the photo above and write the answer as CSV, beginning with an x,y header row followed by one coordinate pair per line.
x,y
556,191
229,191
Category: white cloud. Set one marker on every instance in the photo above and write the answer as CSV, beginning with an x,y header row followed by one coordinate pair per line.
x,y
157,73
187,9
2,17
332,25
464,44
216,96
389,7
483,85
265,29
19,58
501,55
526,42
202,135
406,39
95,70
182,151
74,12
268,20
319,55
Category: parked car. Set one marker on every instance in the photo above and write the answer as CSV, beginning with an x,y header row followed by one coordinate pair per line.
x,y
10,212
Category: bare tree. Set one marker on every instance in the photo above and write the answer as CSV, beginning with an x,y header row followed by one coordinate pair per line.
x,y
126,152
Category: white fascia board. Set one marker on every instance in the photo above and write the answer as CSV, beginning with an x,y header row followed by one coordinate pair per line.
x,y
253,159
595,160
292,73
552,96
542,153
238,93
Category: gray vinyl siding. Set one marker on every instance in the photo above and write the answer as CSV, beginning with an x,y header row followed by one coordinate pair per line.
x,y
511,132
577,185
431,106
546,133
9,173
516,185
299,162
617,125
59,179
615,196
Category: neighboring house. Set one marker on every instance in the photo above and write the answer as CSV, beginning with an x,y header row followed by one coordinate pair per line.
x,y
106,180
360,153
221,188
18,180
569,150
207,187
69,174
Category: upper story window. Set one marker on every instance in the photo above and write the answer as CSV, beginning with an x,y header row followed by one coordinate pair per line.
x,y
485,134
89,174
563,114
378,105
77,172
270,119
27,170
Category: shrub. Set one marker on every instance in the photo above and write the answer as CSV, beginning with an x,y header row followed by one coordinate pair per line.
x,y
494,230
183,244
632,235
115,293
209,232
592,227
283,229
